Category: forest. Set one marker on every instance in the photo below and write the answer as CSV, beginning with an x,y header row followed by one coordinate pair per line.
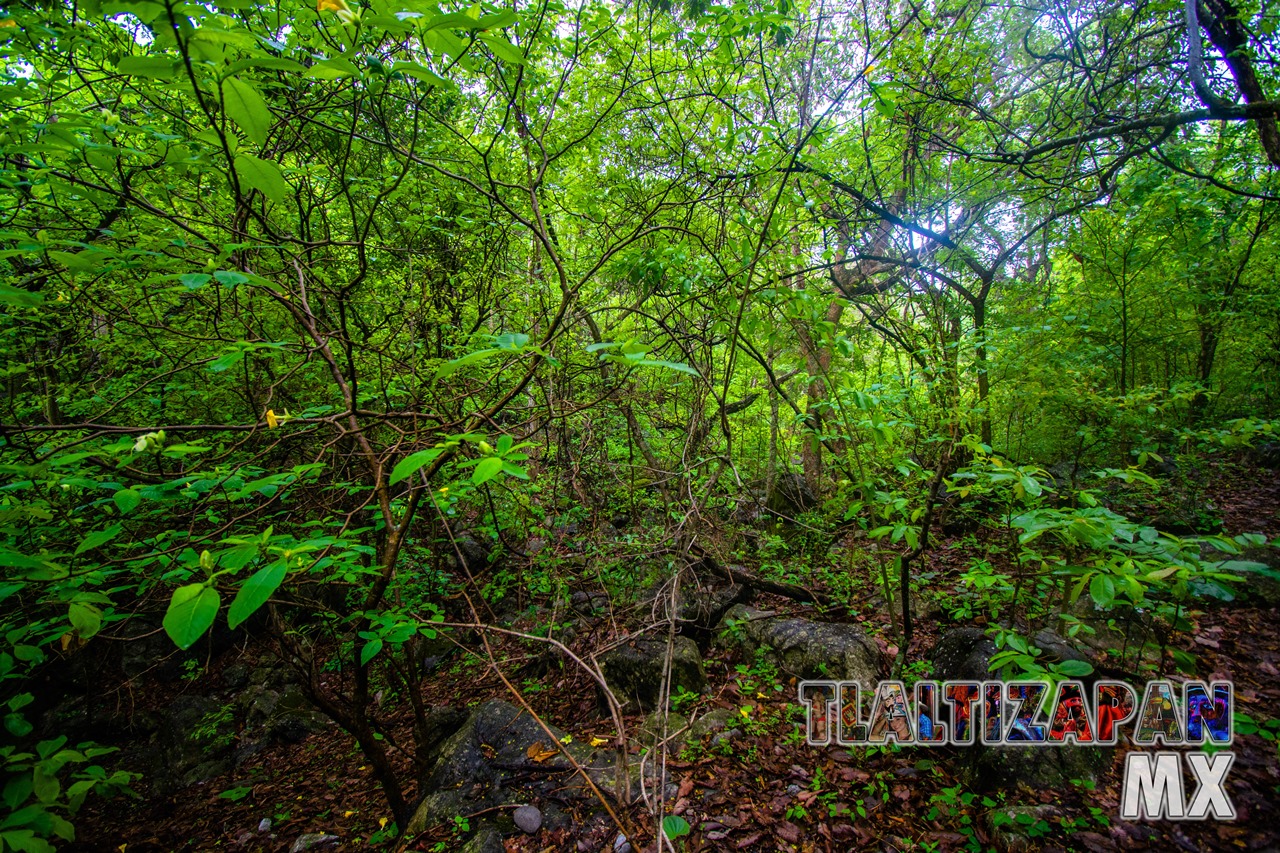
x,y
451,426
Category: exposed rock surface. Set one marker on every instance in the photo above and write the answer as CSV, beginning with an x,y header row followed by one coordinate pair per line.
x,y
492,761
634,671
803,648
791,495
314,841
192,745
964,654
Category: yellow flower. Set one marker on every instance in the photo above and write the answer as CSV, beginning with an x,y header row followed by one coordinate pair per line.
x,y
272,420
340,7
382,822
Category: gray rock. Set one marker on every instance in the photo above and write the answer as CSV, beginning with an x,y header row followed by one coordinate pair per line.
x,y
486,763
589,603
634,671
963,655
1268,455
314,841
705,607
1010,825
475,554
650,731
236,676
791,495
1056,649
803,648
712,721
528,819
283,715
192,745
487,839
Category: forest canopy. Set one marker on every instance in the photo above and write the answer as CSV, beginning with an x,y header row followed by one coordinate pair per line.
x,y
321,319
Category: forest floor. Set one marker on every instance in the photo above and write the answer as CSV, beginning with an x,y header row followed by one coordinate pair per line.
x,y
766,790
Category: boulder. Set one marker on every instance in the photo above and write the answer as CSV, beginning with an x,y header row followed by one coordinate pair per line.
x,y
650,731
791,495
192,745
719,724
1267,455
475,554
314,841
803,648
964,654
282,715
486,839
634,671
498,757
704,607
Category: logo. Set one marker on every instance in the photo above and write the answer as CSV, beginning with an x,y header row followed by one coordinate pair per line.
x,y
1032,714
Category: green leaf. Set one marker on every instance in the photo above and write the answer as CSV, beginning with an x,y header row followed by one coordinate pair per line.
x,y
1103,590
450,367
191,611
263,176
370,650
503,49
1072,668
18,725
85,618
155,67
670,365
674,826
19,298
127,500
255,592
245,106
98,539
412,463
228,278
26,841
418,72
46,786
332,69
17,790
487,469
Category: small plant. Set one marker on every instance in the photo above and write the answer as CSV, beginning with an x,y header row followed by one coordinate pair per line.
x,y
214,729
684,699
674,826
235,795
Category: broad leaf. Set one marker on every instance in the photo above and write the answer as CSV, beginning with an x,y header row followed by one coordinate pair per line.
x,y
191,612
255,592
245,106
263,176
412,463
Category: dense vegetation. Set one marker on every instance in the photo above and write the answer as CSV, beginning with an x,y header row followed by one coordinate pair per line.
x,y
305,305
